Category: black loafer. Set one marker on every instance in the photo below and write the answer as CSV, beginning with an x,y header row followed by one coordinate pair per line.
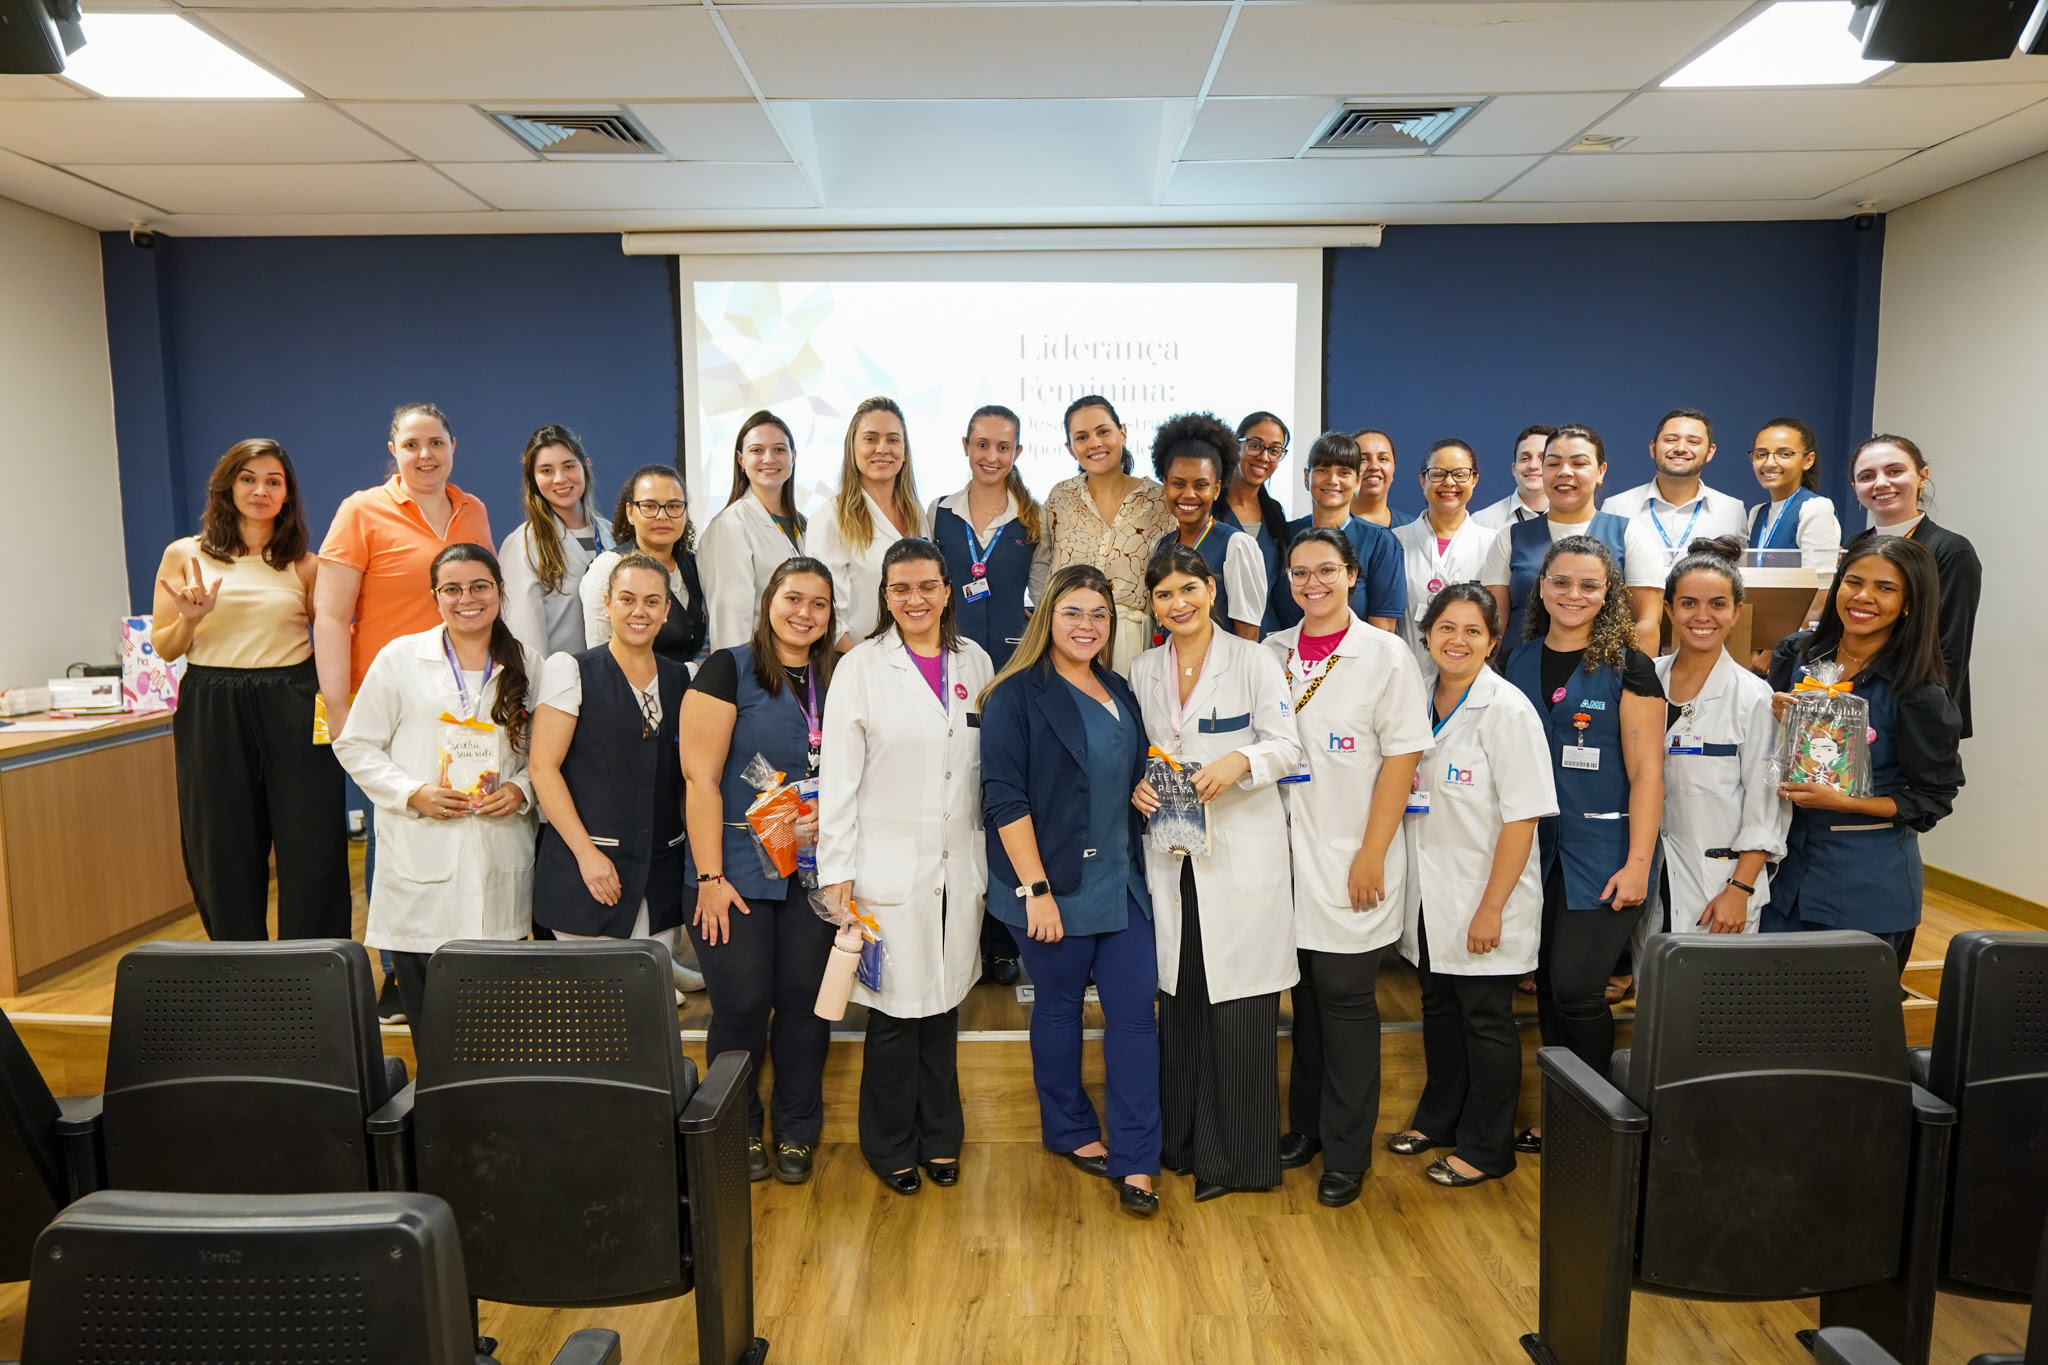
x,y
1297,1149
943,1172
1144,1203
1338,1188
792,1163
1402,1144
1097,1166
1530,1141
1000,971
1440,1171
1205,1191
757,1159
903,1182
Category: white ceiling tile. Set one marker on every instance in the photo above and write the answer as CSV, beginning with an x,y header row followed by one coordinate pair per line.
x,y
368,187
636,185
1842,119
1421,49
1333,180
38,88
739,131
67,196
440,132
493,55
1675,177
1003,52
1255,129
1528,125
186,132
1975,153
2010,70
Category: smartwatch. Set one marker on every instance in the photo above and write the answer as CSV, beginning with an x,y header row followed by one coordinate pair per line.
x,y
1041,887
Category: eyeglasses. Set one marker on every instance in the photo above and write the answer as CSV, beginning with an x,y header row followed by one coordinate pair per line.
x,y
1761,454
1586,587
650,715
903,592
454,592
1322,573
1457,476
1075,616
1254,446
652,510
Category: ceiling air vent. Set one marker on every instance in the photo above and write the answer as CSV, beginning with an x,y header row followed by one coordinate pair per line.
x,y
1385,128
600,134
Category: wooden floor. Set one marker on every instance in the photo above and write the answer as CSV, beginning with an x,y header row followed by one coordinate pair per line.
x,y
1028,1260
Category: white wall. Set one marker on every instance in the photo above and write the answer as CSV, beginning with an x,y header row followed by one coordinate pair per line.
x,y
1962,358
63,584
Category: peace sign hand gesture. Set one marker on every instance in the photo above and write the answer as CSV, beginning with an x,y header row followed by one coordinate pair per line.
x,y
193,598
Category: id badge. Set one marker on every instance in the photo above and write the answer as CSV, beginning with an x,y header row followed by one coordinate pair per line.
x,y
1687,744
1581,758
467,757
974,589
1301,774
1418,802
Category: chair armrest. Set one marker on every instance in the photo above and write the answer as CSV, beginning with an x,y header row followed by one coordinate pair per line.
x,y
1847,1346
390,1133
591,1346
1560,1067
1919,1064
1617,1069
1931,1110
82,1142
394,1075
1998,1360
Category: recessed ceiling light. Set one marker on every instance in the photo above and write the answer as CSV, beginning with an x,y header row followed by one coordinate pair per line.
x,y
1601,142
1794,42
161,57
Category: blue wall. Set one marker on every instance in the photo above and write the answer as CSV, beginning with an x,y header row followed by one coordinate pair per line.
x,y
313,340
1476,332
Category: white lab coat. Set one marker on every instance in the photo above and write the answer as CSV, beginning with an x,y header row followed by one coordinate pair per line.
x,y
547,622
1489,767
856,574
1460,562
437,880
736,553
899,816
1719,801
1498,516
1247,904
1369,704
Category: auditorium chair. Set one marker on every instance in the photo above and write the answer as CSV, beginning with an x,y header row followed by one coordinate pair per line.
x,y
237,1068
125,1275
555,1111
1846,1346
1761,1140
32,1186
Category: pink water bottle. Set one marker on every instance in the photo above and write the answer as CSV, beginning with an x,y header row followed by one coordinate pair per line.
x,y
837,988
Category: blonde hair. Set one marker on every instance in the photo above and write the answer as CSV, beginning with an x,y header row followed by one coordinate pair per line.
x,y
1036,645
850,509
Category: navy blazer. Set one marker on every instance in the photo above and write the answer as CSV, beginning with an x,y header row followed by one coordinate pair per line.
x,y
1034,761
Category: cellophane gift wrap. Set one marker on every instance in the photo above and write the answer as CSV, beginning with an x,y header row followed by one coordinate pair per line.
x,y
1825,735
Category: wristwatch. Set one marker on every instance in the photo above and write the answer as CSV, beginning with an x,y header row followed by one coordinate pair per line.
x,y
1041,887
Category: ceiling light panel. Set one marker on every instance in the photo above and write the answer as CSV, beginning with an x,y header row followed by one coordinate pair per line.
x,y
1794,42
161,56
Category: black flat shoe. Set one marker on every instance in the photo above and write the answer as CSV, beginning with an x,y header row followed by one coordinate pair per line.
x,y
1097,1166
1401,1144
1144,1203
903,1182
1297,1149
1530,1141
1204,1191
1440,1171
1000,971
792,1163
943,1172
757,1159
1338,1188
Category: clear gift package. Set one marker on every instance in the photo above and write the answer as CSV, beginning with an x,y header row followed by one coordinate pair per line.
x,y
1824,737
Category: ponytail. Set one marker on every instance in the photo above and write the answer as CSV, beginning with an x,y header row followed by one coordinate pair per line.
x,y
1028,510
510,709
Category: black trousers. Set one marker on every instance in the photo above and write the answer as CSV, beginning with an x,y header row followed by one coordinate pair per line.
x,y
910,1091
1333,1087
1474,1056
410,970
1219,1083
763,983
250,778
1580,948
996,943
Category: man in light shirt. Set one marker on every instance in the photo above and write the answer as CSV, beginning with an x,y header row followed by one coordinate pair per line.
x,y
1678,507
1528,501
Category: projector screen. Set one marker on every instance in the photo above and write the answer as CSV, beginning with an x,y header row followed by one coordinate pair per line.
x,y
1157,332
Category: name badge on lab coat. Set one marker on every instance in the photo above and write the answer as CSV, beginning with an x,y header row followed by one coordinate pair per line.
x,y
1301,774
1418,797
1687,744
1582,758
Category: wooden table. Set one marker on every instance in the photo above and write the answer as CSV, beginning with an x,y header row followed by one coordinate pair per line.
x,y
89,849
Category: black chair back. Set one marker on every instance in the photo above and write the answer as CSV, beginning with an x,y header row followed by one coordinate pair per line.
x,y
551,1077
31,1162
124,1276
243,1068
714,1125
1773,1069
1990,1060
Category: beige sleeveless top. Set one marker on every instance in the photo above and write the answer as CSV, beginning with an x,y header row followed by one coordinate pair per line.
x,y
259,621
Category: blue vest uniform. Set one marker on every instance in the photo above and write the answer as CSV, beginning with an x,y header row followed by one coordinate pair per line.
x,y
772,726
1784,535
1382,588
1215,545
996,622
1529,541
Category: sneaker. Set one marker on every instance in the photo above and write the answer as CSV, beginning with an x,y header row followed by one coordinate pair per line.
x,y
389,1010
687,979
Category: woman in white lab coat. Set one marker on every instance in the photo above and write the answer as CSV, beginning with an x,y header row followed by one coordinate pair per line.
x,y
437,741
899,827
1475,891
876,507
756,530
1357,699
1444,544
546,557
1723,818
1215,699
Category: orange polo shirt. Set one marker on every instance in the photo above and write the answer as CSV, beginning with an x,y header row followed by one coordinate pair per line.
x,y
382,534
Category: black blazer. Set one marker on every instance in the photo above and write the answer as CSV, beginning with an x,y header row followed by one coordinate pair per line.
x,y
1034,761
1962,583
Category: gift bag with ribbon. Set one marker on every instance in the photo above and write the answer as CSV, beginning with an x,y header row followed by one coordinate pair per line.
x,y
467,758
1824,736
771,819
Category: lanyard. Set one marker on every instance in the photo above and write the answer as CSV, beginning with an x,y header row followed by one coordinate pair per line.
x,y
462,688
1771,526
1329,667
1197,546
945,669
813,734
788,529
977,551
1439,559
1685,536
1436,727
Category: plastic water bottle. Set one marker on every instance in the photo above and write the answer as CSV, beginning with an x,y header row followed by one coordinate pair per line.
x,y
807,849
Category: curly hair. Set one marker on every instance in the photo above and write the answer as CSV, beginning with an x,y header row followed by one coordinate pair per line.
x,y
1195,436
1614,629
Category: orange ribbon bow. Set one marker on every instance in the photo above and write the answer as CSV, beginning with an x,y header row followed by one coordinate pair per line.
x,y
1833,689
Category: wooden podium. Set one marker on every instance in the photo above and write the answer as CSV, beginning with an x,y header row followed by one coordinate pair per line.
x,y
1777,588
